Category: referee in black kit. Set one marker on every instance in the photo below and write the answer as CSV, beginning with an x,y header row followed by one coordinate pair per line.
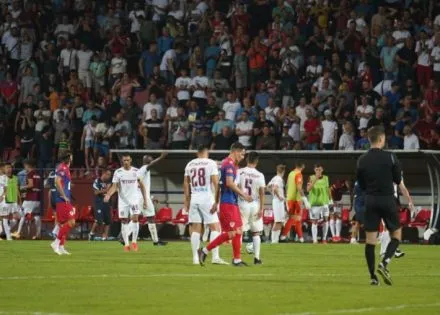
x,y
377,172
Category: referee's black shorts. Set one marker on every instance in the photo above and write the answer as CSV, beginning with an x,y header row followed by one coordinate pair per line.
x,y
379,208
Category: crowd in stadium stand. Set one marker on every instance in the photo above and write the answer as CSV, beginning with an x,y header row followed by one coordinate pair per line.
x,y
289,75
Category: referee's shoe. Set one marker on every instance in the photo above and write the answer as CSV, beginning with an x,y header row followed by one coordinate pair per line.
x,y
385,274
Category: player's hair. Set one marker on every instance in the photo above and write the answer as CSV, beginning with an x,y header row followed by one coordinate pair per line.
x,y
253,157
374,134
281,168
30,162
318,165
202,148
237,146
66,157
126,154
300,164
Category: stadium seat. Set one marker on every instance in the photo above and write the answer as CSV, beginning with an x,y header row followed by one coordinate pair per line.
x,y
48,216
268,216
421,219
164,215
404,216
181,217
85,215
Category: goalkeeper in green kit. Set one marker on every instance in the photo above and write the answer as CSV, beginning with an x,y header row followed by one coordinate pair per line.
x,y
319,197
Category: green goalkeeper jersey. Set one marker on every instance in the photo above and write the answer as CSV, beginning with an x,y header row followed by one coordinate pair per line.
x,y
319,194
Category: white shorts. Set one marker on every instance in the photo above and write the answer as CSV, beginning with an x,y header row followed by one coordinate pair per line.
x,y
85,77
4,209
337,208
320,212
125,211
279,213
149,211
201,213
249,216
31,207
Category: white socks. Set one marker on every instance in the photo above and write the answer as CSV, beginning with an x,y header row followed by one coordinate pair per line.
x,y
124,233
315,232
7,229
195,245
324,230
205,233
135,231
332,227
266,229
20,224
56,229
256,239
153,231
338,227
275,236
37,219
215,251
384,241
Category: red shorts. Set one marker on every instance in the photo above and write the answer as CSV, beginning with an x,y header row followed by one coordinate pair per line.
x,y
230,217
65,212
294,207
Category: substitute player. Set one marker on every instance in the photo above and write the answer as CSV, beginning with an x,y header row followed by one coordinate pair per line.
x,y
4,211
51,191
101,209
13,199
200,185
337,190
252,182
149,211
276,187
359,209
295,194
318,188
229,215
64,209
126,181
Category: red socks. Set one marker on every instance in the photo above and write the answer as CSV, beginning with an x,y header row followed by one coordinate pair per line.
x,y
223,237
236,246
299,229
288,227
62,233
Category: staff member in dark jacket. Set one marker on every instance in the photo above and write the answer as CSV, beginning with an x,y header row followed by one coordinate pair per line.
x,y
377,171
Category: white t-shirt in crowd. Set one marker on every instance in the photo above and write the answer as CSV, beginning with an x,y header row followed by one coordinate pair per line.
x,y
314,70
245,126
363,122
200,171
127,180
346,142
423,58
435,54
69,57
271,113
133,17
169,54
383,87
411,142
397,35
118,65
84,58
62,29
231,109
183,84
202,82
149,107
329,131
172,111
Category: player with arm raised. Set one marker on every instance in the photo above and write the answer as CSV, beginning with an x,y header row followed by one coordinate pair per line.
x,y
229,215
64,208
276,187
295,194
149,211
252,182
126,181
201,190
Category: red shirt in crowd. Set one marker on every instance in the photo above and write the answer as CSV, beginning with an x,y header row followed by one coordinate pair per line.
x,y
312,127
33,194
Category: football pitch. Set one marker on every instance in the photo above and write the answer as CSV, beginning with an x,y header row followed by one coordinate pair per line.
x,y
99,278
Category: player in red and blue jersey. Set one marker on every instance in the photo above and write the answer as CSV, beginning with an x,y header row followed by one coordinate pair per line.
x,y
64,209
229,215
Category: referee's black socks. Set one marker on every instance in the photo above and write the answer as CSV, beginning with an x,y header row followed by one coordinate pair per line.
x,y
391,249
370,257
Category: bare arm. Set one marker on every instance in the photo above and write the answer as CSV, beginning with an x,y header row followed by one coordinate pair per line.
x,y
215,184
406,194
262,196
161,157
60,189
187,193
277,192
144,194
110,192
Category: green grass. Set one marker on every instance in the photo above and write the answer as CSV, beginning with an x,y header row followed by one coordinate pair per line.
x,y
99,278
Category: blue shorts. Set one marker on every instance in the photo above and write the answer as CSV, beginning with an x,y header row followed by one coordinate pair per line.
x,y
103,149
359,210
89,144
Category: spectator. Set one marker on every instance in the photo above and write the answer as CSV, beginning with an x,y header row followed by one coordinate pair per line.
x,y
84,56
410,140
212,54
363,143
244,130
231,107
199,84
169,65
212,109
266,141
45,148
183,84
272,111
346,141
218,86
148,60
329,132
153,104
364,112
221,123
423,50
224,140
286,141
435,55
423,129
261,122
312,131
88,142
262,97
179,132
201,133
122,132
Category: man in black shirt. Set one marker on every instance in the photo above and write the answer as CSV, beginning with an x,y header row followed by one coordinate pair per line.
x,y
377,172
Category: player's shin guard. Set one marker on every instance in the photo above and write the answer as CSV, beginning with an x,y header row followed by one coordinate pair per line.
x,y
222,238
332,227
195,244
7,228
124,233
384,241
216,250
153,232
236,247
338,227
370,258
288,227
135,231
256,239
391,250
324,230
315,232
37,219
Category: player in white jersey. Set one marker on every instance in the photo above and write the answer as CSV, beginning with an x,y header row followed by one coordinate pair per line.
x,y
252,182
276,187
149,212
4,208
385,235
201,188
126,182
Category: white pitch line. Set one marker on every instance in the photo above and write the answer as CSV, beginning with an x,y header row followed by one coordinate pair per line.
x,y
30,313
367,309
155,275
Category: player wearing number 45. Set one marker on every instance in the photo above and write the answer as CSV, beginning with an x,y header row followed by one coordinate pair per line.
x,y
201,188
127,182
252,182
